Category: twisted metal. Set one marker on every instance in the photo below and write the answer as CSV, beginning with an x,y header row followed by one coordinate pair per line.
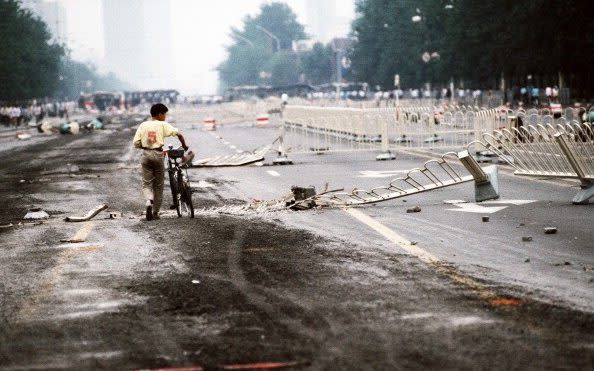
x,y
434,174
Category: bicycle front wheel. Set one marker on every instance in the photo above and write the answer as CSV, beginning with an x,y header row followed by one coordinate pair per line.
x,y
184,204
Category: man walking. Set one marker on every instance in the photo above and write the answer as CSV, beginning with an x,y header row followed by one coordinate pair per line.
x,y
150,137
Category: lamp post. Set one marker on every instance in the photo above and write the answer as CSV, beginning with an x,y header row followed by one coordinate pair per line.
x,y
267,32
244,39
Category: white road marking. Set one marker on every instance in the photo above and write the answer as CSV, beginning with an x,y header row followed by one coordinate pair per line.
x,y
475,208
471,207
402,242
478,288
272,172
233,147
513,202
380,173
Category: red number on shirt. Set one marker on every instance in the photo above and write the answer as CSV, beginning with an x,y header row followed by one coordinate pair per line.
x,y
152,137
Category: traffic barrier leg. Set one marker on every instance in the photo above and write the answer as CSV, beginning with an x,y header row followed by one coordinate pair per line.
x,y
486,180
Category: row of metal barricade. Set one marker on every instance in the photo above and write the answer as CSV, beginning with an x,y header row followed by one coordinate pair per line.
x,y
309,128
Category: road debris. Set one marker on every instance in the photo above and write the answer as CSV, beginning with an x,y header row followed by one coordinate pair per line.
x,y
485,219
36,214
23,136
527,238
527,260
550,230
416,209
88,216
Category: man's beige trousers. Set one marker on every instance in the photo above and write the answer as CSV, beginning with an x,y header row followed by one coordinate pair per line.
x,y
153,174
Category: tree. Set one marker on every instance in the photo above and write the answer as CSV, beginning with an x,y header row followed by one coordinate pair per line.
x,y
252,57
477,42
29,63
318,64
77,77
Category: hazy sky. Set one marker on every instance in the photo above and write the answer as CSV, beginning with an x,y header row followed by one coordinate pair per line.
x,y
200,32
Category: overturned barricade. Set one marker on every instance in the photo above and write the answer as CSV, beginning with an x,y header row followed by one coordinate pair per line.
x,y
439,173
236,159
562,150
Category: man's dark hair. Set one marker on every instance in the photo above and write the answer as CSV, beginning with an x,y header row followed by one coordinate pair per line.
x,y
158,108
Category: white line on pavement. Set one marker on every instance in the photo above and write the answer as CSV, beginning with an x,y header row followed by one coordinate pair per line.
x,y
233,147
392,236
478,288
272,172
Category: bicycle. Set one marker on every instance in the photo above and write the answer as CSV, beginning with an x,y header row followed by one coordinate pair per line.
x,y
179,182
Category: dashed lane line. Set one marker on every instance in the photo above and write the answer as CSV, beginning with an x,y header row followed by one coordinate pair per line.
x,y
423,255
272,172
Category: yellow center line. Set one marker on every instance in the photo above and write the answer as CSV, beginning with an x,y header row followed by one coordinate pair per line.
x,y
431,260
54,277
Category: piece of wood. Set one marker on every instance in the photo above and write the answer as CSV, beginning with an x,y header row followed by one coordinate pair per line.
x,y
91,214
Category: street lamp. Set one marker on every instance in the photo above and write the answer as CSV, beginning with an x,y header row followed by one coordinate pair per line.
x,y
244,39
271,35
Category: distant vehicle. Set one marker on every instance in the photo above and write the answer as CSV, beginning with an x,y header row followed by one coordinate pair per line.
x,y
102,101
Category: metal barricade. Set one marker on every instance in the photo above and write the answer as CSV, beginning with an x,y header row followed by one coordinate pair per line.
x,y
548,149
434,174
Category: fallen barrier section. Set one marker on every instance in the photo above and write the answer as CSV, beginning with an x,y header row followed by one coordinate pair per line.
x,y
439,173
563,150
236,159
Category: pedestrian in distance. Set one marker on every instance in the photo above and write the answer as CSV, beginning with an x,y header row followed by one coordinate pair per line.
x,y
150,137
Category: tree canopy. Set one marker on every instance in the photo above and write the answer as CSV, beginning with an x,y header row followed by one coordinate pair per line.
x,y
29,63
32,66
255,57
474,42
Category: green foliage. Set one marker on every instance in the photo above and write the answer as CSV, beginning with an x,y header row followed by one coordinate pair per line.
x,y
77,77
31,66
29,63
477,42
253,58
318,64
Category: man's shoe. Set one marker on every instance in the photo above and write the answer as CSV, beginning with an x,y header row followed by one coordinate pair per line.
x,y
149,212
156,216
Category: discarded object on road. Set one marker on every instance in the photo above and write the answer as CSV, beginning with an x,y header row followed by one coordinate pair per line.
x,y
415,209
22,136
88,216
485,219
238,159
70,128
527,238
304,197
301,193
550,230
36,214
95,124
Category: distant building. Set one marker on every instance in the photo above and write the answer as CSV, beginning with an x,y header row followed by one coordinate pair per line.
x,y
138,41
53,14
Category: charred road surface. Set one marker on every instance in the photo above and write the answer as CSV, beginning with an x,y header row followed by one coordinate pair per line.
x,y
242,290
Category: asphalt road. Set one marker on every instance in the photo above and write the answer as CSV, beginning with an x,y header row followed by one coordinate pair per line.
x,y
365,288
